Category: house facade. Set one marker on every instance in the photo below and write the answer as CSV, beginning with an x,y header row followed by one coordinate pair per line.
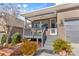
x,y
62,22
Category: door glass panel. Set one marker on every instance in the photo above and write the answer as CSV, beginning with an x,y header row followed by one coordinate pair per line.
x,y
44,26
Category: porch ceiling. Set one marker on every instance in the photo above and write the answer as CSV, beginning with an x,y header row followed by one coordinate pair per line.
x,y
42,17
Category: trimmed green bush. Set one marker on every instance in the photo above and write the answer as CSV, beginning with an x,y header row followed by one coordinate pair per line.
x,y
3,39
16,38
61,44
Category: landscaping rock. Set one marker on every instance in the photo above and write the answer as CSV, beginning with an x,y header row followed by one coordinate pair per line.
x,y
6,52
11,52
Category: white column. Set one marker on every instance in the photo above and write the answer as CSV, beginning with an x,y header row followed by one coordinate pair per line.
x,y
24,28
42,42
40,24
37,41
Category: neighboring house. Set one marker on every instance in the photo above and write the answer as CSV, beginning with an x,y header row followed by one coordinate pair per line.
x,y
9,23
62,21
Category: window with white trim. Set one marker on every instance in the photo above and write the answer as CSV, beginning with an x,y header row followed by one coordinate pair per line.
x,y
53,29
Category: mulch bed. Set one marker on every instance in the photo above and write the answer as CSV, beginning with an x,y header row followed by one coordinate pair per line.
x,y
14,51
6,52
11,51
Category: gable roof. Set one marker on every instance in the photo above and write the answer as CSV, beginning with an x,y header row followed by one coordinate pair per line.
x,y
36,15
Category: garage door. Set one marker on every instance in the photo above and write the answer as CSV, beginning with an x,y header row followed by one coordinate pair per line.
x,y
72,30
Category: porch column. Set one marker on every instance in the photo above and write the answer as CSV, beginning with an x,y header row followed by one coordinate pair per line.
x,y
24,28
60,26
40,24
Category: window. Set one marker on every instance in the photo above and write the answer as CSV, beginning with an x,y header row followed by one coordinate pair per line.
x,y
53,25
37,25
53,29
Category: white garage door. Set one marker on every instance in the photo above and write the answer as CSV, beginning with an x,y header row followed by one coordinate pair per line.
x,y
72,30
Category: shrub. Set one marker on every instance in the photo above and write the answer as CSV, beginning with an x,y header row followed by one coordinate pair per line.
x,y
16,38
3,39
28,47
61,44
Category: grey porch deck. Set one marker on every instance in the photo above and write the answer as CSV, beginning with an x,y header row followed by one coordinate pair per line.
x,y
48,42
37,37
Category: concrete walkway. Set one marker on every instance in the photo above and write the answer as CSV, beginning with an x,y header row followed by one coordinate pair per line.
x,y
75,49
44,52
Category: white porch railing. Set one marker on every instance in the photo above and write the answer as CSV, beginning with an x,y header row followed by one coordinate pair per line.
x,y
33,32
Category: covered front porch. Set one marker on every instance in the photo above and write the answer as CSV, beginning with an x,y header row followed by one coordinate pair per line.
x,y
36,27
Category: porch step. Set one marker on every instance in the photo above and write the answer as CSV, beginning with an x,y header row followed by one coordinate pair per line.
x,y
33,36
49,42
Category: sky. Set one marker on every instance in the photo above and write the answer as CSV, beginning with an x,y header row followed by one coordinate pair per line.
x,y
34,6
25,7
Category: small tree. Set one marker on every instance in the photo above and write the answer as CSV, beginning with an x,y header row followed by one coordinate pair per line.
x,y
16,38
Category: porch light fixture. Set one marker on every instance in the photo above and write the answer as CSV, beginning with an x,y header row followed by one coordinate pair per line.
x,y
61,23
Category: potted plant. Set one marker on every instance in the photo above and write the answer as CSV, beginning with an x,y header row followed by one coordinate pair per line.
x,y
62,47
